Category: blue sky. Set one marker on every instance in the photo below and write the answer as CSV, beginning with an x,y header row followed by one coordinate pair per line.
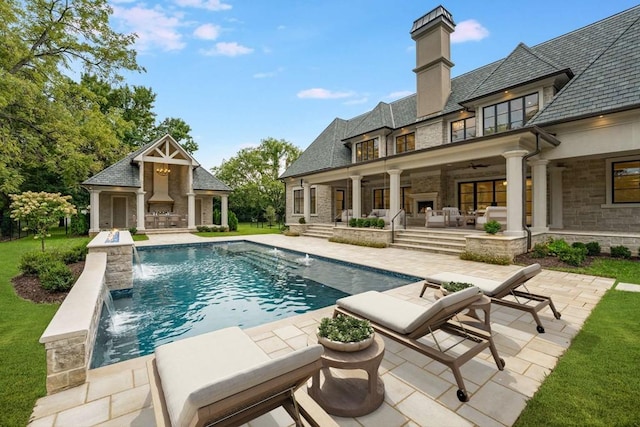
x,y
240,71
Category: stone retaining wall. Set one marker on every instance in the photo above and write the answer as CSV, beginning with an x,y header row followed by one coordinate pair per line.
x,y
70,335
119,274
606,241
496,245
369,235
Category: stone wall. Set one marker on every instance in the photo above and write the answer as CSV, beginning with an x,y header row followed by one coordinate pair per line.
x,y
496,245
431,135
119,270
106,211
367,235
69,337
606,241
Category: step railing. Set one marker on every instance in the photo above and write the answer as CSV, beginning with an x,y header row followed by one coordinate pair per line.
x,y
393,224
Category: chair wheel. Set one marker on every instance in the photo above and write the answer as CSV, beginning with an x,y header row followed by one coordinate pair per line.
x,y
462,396
540,329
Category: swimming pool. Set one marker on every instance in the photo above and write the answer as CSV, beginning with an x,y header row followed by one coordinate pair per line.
x,y
186,290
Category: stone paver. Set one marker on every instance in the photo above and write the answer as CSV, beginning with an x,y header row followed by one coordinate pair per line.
x,y
419,391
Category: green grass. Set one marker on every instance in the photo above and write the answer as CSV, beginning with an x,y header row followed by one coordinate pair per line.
x,y
597,381
244,229
22,357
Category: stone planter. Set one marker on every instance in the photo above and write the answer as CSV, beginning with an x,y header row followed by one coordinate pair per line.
x,y
346,346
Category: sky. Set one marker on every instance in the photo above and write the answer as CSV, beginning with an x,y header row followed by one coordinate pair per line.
x,y
241,71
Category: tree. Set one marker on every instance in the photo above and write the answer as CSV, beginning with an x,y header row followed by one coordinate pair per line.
x,y
179,130
40,211
253,174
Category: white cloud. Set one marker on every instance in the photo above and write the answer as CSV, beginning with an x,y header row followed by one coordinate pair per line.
x,y
153,26
214,5
319,93
207,32
268,74
227,49
399,94
469,30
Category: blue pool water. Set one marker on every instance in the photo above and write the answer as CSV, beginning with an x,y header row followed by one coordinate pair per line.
x,y
183,291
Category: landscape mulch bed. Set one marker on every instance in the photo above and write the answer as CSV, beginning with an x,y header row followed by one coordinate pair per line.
x,y
28,287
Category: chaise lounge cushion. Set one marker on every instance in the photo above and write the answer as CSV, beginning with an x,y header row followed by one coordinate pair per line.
x,y
398,315
489,287
205,369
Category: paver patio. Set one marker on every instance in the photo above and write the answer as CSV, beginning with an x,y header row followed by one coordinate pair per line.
x,y
418,390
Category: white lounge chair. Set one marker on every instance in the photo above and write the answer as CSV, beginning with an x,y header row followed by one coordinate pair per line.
x,y
224,378
434,218
492,213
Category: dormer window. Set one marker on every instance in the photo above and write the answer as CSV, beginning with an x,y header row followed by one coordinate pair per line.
x,y
405,143
463,129
512,114
367,150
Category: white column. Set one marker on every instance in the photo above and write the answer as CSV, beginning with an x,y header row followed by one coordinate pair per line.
x,y
357,196
224,207
515,195
191,211
394,194
140,211
94,202
555,188
306,201
539,183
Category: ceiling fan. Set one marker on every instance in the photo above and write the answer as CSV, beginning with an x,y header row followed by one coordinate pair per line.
x,y
477,165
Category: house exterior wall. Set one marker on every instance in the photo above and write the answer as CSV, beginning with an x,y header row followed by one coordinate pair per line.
x,y
431,134
105,213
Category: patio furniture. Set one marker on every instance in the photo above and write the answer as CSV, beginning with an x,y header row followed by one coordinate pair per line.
x,y
503,292
385,214
492,213
225,378
434,218
410,324
452,216
348,394
347,214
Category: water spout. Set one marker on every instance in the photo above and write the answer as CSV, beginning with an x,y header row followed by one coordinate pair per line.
x,y
136,255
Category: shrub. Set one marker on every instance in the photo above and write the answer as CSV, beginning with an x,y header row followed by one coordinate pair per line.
x,y
579,245
34,262
381,223
353,222
359,222
540,250
133,230
573,256
492,227
75,254
203,229
593,248
488,259
620,252
233,221
557,246
56,277
217,216
79,226
358,242
367,222
301,220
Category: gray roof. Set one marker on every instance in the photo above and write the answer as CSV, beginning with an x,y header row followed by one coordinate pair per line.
x,y
126,173
601,58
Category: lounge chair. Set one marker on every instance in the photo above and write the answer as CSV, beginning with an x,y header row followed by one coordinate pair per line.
x,y
406,323
493,213
503,292
224,378
434,218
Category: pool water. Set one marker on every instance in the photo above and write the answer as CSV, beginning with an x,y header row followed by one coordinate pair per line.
x,y
186,290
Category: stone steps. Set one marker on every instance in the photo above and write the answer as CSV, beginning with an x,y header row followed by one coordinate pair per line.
x,y
440,241
321,231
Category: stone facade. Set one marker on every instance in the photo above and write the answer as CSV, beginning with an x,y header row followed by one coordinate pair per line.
x,y
366,235
431,135
106,216
496,245
606,241
119,271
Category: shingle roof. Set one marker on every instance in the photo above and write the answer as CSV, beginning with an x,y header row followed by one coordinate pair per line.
x,y
126,173
603,58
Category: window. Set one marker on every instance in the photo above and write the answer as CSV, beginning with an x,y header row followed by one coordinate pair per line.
x,y
367,150
463,129
312,195
512,114
478,195
405,143
380,199
625,181
298,198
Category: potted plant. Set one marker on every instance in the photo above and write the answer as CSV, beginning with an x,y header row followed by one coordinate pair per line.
x,y
492,227
345,333
451,287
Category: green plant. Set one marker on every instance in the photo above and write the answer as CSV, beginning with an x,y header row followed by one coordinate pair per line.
x,y
217,216
573,255
452,287
74,254
492,227
133,231
359,222
32,263
367,222
557,246
344,329
301,220
358,242
270,214
486,258
79,226
620,252
579,245
593,248
203,229
381,223
56,277
233,221
353,222
540,250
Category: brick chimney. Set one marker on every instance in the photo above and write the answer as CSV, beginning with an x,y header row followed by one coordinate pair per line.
x,y
433,64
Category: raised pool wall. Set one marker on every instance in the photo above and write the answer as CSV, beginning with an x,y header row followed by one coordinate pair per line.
x,y
69,337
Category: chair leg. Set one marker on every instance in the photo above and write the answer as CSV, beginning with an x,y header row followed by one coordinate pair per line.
x,y
428,285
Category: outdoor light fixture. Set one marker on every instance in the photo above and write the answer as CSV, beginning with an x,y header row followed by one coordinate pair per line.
x,y
163,170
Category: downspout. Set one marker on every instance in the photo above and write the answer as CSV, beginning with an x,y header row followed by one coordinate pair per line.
x,y
524,189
